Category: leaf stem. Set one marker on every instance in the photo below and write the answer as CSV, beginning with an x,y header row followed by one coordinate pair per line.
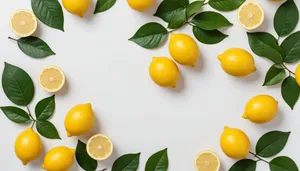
x,y
12,39
259,158
285,67
31,117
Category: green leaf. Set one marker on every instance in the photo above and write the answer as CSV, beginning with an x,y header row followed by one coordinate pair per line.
x,y
128,162
210,21
49,12
274,75
244,165
83,159
158,161
17,85
150,35
47,129
291,48
104,5
178,19
265,45
34,47
194,7
208,37
15,114
271,143
286,18
169,8
283,163
45,108
290,91
226,5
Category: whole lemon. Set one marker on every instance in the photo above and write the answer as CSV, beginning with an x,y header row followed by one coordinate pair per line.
x,y
77,7
297,74
164,72
59,159
28,146
79,120
237,62
261,109
235,143
140,5
183,49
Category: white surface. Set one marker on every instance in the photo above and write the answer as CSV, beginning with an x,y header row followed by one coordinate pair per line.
x,y
104,68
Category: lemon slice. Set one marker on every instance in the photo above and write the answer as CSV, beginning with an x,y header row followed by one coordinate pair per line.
x,y
207,161
251,15
51,79
99,147
23,23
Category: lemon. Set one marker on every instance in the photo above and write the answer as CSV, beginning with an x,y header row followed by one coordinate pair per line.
x,y
235,143
28,146
237,62
183,49
207,161
251,15
261,109
51,79
164,72
297,74
79,120
99,147
23,23
59,159
77,7
140,5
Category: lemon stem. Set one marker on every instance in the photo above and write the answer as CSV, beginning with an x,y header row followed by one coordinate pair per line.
x,y
259,158
12,39
29,114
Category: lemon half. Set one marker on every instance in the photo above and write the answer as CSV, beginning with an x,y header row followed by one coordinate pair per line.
x,y
99,147
251,15
207,161
51,79
23,23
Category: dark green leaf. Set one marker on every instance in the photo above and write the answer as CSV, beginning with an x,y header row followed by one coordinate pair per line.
x,y
226,5
290,91
35,47
283,163
15,114
291,48
194,7
244,165
178,19
128,162
83,159
271,143
274,75
17,85
104,5
286,18
45,108
158,161
49,12
150,35
47,129
169,8
208,37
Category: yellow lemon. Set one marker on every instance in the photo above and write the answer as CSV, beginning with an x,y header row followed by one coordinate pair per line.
x,y
261,109
77,7
23,23
237,62
235,143
297,74
183,49
99,147
28,146
207,161
140,5
59,159
79,120
164,72
51,79
251,15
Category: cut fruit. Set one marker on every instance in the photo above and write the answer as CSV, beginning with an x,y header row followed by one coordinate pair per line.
x,y
23,23
251,15
51,79
99,147
207,161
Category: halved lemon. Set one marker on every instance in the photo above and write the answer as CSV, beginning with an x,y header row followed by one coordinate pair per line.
x,y
23,23
251,15
99,147
51,79
207,161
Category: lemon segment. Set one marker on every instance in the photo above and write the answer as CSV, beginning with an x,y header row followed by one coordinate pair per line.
x,y
23,23
251,15
51,79
140,5
99,147
59,159
207,161
77,7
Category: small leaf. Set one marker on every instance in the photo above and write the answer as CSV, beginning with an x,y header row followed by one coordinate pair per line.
x,y
169,8
45,108
178,19
15,114
244,165
104,5
17,85
271,143
208,37
226,5
128,162
283,163
47,129
158,161
290,91
291,48
286,18
274,75
83,159
194,7
150,35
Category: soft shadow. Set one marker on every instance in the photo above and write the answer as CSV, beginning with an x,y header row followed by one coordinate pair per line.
x,y
250,78
95,130
276,122
110,161
180,85
38,31
89,15
199,65
37,164
64,90
152,10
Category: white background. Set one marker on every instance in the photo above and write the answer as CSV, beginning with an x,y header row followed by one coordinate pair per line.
x,y
104,68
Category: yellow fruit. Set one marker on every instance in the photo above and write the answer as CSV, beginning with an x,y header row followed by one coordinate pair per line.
x,y
183,49
23,23
235,143
140,5
77,7
28,146
51,79
164,72
207,161
237,62
251,15
297,74
261,109
99,147
79,120
59,159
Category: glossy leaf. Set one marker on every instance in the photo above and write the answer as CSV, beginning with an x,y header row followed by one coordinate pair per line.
x,y
178,19
208,37
274,75
15,114
290,91
158,161
244,165
83,159
194,7
283,163
225,5
45,108
47,129
291,48
104,5
170,8
128,162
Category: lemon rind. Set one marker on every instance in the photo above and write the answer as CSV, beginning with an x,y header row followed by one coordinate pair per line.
x,y
103,158
52,90
34,18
